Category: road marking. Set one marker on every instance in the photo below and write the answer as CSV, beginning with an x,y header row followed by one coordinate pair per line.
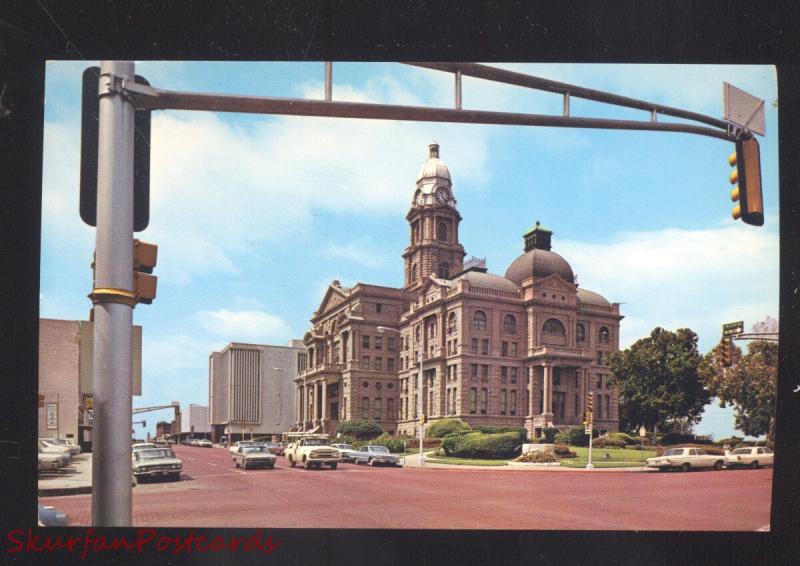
x,y
213,464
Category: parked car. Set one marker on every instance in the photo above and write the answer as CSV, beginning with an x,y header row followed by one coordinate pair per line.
x,y
73,448
752,456
142,446
685,459
51,460
49,516
347,452
253,455
156,462
236,445
204,443
373,455
52,448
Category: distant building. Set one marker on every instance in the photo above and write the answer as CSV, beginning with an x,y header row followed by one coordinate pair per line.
x,y
521,349
163,429
66,359
195,420
251,388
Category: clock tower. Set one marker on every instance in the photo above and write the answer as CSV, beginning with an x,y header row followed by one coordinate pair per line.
x,y
433,219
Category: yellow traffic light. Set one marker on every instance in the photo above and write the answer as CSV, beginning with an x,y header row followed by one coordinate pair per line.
x,y
144,260
89,403
747,160
727,351
590,402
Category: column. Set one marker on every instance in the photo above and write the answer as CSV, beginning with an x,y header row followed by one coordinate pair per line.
x,y
548,389
324,390
531,389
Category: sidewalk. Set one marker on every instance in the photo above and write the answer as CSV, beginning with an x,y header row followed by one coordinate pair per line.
x,y
412,461
70,480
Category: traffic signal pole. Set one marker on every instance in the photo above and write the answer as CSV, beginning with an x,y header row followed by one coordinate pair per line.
x,y
113,299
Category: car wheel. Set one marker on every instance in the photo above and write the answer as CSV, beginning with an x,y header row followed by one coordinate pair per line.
x,y
718,465
307,465
370,462
244,464
334,465
235,464
292,463
686,466
754,464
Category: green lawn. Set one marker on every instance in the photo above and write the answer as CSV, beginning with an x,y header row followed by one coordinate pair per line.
x,y
617,457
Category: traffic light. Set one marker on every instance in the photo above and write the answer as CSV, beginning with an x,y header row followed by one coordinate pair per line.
x,y
422,419
590,403
727,351
144,260
747,173
89,403
585,418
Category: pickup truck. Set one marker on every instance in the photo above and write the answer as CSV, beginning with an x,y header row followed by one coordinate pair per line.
x,y
373,455
685,459
312,451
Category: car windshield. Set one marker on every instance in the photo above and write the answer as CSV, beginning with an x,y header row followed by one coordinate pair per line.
x,y
741,451
344,446
244,443
316,442
59,441
253,449
674,452
152,453
381,449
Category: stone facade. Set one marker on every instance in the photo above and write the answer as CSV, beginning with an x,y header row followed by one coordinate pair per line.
x,y
523,349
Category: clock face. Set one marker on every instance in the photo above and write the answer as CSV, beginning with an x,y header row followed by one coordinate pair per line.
x,y
441,195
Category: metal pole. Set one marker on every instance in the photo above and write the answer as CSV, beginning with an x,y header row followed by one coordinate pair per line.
x,y
421,426
589,464
328,81
113,302
458,89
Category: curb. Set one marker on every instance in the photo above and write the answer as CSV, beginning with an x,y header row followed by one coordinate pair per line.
x,y
57,491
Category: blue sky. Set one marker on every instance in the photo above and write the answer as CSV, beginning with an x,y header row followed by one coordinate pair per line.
x,y
255,215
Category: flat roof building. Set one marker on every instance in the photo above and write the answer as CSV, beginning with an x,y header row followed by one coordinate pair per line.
x,y
251,388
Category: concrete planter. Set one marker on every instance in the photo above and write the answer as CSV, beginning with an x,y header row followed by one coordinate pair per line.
x,y
547,448
534,465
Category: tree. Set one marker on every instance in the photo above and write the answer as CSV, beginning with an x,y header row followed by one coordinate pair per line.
x,y
750,385
658,381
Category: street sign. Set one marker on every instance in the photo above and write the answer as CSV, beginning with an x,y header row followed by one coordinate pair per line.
x,y
587,430
733,328
52,416
743,109
642,431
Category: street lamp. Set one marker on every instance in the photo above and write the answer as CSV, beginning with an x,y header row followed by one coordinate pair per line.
x,y
419,390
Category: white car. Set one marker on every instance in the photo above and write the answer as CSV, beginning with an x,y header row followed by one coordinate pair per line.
x,y
235,446
53,448
73,448
348,453
752,456
685,459
141,446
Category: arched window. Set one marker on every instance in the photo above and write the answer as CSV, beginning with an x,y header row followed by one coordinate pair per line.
x,y
451,323
510,324
413,272
603,335
444,271
442,231
553,326
580,333
479,320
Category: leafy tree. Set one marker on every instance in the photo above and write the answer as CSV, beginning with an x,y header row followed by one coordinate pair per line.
x,y
750,385
361,429
658,381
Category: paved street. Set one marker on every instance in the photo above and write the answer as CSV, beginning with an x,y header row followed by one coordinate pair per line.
x,y
213,493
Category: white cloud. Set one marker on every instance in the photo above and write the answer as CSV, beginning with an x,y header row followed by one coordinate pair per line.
x,y
682,278
244,326
357,252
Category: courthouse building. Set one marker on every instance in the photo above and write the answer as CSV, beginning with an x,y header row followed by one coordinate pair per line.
x,y
520,349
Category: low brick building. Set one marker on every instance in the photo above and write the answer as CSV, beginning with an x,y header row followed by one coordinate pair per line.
x,y
520,349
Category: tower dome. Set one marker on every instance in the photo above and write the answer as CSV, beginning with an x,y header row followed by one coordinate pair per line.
x,y
434,185
538,261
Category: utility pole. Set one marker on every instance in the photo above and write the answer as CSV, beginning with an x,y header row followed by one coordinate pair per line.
x,y
114,298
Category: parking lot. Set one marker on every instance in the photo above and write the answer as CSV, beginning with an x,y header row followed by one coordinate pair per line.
x,y
212,493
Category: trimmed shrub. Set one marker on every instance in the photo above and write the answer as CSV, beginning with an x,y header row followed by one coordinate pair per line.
x,y
733,441
672,438
537,458
362,429
393,443
624,437
442,428
550,434
577,436
490,429
563,451
344,439
562,438
605,442
479,445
